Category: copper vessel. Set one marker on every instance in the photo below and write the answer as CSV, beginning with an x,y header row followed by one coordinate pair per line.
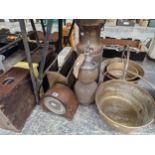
x,y
124,106
90,31
85,93
60,100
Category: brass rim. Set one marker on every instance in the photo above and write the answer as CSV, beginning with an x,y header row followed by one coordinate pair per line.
x,y
115,122
115,69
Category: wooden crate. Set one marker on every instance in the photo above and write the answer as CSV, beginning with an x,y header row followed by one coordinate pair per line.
x,y
110,53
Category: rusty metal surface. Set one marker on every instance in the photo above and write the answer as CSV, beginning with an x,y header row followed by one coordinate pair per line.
x,y
44,51
28,57
36,55
16,98
35,31
43,26
53,37
64,95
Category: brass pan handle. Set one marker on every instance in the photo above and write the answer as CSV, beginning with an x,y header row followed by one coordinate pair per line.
x,y
144,79
139,76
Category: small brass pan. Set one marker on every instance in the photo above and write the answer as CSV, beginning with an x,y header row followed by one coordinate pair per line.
x,y
116,70
109,77
138,67
132,63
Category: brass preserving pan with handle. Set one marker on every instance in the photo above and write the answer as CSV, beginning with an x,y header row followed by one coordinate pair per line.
x,y
125,106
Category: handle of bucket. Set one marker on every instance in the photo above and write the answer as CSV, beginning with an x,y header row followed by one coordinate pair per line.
x,y
126,63
144,79
123,52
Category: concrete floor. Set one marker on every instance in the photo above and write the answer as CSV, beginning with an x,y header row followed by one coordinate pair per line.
x,y
87,119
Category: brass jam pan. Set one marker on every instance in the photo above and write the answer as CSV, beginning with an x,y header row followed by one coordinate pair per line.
x,y
132,63
138,67
116,70
124,106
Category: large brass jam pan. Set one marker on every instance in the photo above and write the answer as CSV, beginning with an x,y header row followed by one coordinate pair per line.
x,y
116,70
124,105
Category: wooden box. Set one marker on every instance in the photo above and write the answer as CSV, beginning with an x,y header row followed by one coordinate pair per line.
x,y
110,52
16,99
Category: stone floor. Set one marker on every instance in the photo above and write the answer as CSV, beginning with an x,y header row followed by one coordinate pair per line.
x,y
87,120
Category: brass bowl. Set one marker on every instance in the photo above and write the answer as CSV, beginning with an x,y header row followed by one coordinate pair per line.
x,y
116,70
138,67
124,106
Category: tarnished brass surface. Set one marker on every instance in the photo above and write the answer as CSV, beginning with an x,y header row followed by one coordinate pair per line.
x,y
17,99
138,67
88,76
116,70
124,106
85,93
89,69
90,32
